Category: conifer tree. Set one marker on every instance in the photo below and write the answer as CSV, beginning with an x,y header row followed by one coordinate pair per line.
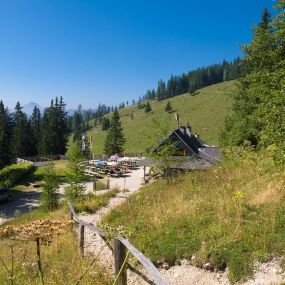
x,y
21,136
259,106
76,175
35,123
148,107
168,107
54,129
49,200
5,136
76,125
115,138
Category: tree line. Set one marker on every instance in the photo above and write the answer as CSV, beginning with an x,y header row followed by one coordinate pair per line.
x,y
195,79
259,118
41,134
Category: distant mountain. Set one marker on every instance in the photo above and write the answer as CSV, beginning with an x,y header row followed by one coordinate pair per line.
x,y
28,108
70,112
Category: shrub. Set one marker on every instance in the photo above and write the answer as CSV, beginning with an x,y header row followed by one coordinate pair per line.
x,y
12,174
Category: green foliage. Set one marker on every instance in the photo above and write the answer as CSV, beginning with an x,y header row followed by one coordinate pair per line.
x,y
35,122
12,174
105,123
5,136
75,175
168,107
91,203
200,111
115,138
229,216
147,107
54,129
49,199
61,260
258,107
195,79
21,145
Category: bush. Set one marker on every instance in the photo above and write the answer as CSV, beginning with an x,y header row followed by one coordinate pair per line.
x,y
12,174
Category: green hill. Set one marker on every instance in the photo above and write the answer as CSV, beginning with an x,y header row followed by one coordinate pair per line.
x,y
206,112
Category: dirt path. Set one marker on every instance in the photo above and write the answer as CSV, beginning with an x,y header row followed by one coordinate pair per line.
x,y
22,202
185,274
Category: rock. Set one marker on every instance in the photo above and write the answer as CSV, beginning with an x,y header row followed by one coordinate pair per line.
x,y
175,275
165,266
193,257
208,266
185,262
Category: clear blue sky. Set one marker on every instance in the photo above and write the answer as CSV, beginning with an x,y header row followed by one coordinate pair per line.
x,y
93,51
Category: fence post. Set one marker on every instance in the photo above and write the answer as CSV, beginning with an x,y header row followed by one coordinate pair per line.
x,y
81,239
71,218
120,255
108,183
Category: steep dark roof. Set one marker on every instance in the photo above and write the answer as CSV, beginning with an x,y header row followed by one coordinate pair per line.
x,y
201,153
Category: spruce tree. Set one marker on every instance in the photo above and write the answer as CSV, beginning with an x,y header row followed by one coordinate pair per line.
x,y
105,123
54,129
21,137
35,123
76,175
76,125
115,138
49,200
168,107
5,136
147,108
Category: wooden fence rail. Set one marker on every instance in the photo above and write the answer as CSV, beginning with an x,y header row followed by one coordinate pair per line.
x,y
121,246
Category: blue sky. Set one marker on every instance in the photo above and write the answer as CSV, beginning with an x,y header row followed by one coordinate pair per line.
x,y
91,51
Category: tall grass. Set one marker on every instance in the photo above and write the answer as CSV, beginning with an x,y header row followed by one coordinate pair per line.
x,y
228,216
61,262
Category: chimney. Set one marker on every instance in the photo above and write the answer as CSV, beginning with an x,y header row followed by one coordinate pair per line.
x,y
183,130
188,130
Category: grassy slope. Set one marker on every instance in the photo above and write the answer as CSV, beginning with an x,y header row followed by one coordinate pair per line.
x,y
205,112
229,215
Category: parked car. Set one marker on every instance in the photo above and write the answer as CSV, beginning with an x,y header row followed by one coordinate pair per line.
x,y
5,194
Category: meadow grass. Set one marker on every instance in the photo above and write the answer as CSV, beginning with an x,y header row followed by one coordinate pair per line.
x,y
229,216
62,264
92,203
205,112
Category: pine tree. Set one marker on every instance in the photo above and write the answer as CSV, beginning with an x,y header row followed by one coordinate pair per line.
x,y
21,137
35,123
87,150
49,199
76,175
54,129
5,136
105,123
115,138
76,125
168,107
147,108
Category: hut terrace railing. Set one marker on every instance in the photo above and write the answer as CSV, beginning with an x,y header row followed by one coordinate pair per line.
x,y
119,250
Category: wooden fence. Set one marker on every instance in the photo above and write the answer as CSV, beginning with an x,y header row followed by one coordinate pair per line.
x,y
119,250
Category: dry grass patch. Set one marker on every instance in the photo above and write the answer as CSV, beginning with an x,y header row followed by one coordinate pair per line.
x,y
61,262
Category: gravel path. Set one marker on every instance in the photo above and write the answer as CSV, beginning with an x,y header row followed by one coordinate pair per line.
x,y
185,274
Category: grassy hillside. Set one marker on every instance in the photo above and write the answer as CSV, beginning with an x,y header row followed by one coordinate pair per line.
x,y
205,112
229,216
